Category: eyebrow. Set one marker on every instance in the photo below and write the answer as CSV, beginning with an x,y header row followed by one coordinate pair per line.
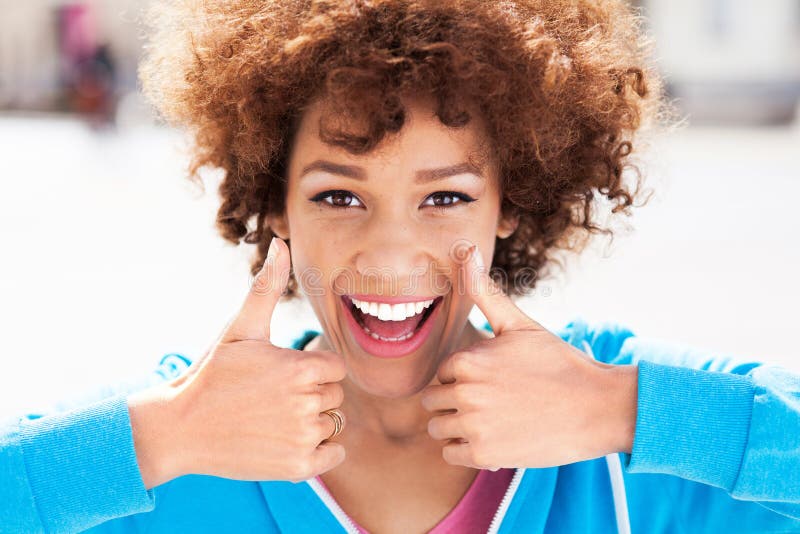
x,y
422,176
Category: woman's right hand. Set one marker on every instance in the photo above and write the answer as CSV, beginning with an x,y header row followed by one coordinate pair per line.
x,y
246,410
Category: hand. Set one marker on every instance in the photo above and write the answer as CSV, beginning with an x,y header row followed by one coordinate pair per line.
x,y
246,410
526,398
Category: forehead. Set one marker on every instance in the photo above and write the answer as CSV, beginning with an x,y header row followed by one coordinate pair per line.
x,y
423,141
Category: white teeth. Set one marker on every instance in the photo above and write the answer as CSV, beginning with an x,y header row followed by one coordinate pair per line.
x,y
399,312
373,335
392,312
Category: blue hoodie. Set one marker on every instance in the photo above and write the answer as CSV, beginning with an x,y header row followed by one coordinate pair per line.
x,y
716,449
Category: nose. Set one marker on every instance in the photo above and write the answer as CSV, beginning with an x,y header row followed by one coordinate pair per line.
x,y
393,258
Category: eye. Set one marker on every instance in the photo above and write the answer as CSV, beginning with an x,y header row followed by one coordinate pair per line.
x,y
442,200
340,199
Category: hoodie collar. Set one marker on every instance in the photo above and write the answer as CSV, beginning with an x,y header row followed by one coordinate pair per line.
x,y
297,509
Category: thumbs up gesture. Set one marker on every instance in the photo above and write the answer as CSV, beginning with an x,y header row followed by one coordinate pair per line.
x,y
246,410
526,398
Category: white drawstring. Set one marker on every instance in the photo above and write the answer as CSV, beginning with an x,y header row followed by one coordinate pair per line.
x,y
617,480
618,493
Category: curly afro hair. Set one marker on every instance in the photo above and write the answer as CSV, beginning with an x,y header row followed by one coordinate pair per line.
x,y
562,86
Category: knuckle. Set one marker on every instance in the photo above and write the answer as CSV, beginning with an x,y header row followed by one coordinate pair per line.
x,y
306,437
301,469
481,458
324,429
449,456
462,393
311,436
470,396
463,363
261,283
317,402
311,404
335,367
470,426
338,394
306,371
332,396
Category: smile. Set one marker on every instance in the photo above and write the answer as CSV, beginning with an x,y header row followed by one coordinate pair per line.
x,y
390,327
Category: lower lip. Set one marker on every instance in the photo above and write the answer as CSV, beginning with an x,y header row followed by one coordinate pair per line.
x,y
389,349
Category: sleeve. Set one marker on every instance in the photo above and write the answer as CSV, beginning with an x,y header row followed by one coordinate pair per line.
x,y
718,420
73,466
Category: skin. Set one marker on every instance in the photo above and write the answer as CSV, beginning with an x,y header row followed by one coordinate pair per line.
x,y
419,427
392,226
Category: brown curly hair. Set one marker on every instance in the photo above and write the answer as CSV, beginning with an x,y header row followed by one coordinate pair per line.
x,y
562,86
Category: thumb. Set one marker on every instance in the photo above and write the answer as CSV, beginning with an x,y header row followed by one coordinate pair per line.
x,y
499,309
254,317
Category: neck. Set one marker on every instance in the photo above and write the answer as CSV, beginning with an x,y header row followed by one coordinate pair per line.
x,y
396,421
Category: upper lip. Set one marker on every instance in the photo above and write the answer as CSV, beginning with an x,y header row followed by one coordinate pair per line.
x,y
388,299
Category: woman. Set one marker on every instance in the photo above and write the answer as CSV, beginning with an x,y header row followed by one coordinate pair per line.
x,y
380,155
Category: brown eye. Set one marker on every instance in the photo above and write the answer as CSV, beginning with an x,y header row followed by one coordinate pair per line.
x,y
338,199
444,199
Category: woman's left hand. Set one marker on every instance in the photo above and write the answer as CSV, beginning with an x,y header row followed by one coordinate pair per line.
x,y
526,398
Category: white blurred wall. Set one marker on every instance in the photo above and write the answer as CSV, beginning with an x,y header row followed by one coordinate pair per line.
x,y
727,40
110,258
729,61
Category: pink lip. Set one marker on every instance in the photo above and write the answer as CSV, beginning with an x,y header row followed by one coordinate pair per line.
x,y
390,299
389,349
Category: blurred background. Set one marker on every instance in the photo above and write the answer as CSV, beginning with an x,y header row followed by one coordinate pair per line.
x,y
110,258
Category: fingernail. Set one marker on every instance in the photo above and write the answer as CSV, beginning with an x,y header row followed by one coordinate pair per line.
x,y
272,252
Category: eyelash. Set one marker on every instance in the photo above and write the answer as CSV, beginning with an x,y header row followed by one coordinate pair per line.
x,y
319,199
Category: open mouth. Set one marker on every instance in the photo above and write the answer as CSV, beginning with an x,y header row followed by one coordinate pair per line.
x,y
390,330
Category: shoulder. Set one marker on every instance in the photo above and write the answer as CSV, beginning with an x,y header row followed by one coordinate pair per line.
x,y
300,342
172,365
601,338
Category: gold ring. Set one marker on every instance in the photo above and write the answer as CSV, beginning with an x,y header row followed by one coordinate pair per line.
x,y
338,421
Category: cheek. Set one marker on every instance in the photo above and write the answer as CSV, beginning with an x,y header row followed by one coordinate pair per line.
x,y
324,245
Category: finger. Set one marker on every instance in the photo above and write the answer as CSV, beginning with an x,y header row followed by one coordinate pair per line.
x,y
449,426
332,396
328,455
253,319
332,366
446,373
323,367
435,398
327,425
499,309
458,454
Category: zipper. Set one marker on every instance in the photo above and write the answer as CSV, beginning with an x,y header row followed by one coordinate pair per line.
x,y
494,527
333,506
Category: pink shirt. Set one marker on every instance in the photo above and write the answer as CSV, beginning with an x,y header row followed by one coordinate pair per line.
x,y
476,509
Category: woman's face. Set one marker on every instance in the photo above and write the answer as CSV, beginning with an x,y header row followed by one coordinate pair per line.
x,y
386,228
